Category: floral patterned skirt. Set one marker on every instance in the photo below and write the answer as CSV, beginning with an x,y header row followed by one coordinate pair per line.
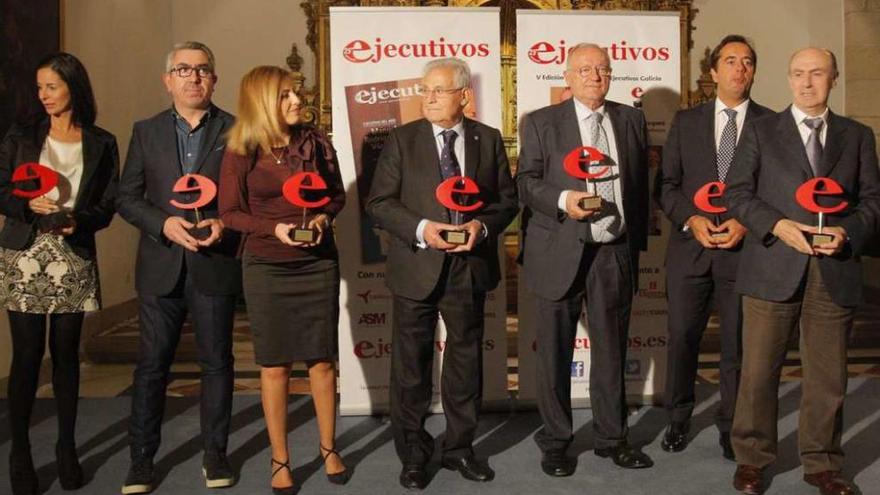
x,y
48,277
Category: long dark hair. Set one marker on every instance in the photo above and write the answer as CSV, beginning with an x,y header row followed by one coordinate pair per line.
x,y
73,73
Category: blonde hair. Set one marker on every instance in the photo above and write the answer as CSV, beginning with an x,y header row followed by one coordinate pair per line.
x,y
258,124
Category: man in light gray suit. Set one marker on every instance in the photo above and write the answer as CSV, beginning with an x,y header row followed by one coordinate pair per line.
x,y
788,282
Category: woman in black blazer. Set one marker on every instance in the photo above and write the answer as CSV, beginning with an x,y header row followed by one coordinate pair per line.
x,y
48,267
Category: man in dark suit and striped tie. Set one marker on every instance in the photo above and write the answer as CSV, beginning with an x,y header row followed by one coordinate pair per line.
x,y
789,283
702,256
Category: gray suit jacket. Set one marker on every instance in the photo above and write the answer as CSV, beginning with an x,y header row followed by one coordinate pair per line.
x,y
553,243
402,194
769,165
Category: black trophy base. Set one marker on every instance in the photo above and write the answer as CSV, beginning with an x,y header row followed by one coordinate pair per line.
x,y
591,203
456,237
200,233
56,222
300,234
819,239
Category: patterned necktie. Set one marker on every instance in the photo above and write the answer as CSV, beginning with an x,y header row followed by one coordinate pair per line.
x,y
813,145
604,185
727,145
449,166
604,188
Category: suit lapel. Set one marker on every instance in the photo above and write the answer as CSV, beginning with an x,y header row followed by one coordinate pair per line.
x,y
167,144
834,144
91,157
620,136
568,128
790,140
471,149
707,138
212,132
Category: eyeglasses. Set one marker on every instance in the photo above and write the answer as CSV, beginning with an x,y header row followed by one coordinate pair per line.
x,y
184,71
436,92
587,70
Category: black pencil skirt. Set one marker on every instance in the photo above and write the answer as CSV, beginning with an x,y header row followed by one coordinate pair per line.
x,y
293,308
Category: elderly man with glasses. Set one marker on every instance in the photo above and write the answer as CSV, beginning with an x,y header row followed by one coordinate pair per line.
x,y
430,274
582,241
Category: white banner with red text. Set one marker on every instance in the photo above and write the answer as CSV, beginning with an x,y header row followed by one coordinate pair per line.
x,y
377,56
645,54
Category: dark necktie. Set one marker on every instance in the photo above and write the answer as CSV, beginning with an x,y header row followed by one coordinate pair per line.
x,y
449,165
814,145
727,145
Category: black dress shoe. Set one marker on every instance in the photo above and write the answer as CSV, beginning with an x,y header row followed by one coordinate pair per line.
x,y
726,446
22,475
626,456
70,473
676,437
555,462
413,476
470,468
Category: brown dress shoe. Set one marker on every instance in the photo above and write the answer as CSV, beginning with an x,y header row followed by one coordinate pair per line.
x,y
748,480
830,483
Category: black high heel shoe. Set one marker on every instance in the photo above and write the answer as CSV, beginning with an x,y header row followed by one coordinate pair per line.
x,y
70,473
284,490
22,475
339,478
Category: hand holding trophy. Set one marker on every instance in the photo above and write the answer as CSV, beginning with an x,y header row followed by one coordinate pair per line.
x,y
578,164
454,194
296,191
806,196
204,190
32,182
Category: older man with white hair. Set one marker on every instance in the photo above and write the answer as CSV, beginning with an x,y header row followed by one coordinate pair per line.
x,y
429,274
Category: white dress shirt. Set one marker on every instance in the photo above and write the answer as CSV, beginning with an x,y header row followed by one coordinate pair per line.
x,y
721,119
800,116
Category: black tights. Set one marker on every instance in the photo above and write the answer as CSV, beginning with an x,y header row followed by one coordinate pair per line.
x,y
28,343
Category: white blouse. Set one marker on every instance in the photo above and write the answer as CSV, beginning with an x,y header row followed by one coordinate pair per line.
x,y
67,160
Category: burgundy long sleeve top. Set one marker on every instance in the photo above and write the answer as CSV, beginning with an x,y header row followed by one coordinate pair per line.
x,y
251,199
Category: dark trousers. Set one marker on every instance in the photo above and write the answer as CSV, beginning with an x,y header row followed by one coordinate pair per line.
x,y
689,296
605,280
767,326
161,320
28,344
461,384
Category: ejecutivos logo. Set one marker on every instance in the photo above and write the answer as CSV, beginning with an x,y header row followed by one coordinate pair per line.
x,y
373,95
361,51
545,52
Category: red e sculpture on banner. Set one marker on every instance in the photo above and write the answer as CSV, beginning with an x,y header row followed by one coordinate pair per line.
x,y
449,193
577,164
806,197
293,189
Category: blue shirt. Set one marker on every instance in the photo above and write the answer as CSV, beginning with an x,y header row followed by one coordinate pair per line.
x,y
189,139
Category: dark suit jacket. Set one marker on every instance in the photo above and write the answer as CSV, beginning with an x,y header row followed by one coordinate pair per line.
x,y
94,204
769,165
402,194
688,164
553,244
151,169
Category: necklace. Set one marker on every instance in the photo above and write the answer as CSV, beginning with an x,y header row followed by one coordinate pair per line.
x,y
279,157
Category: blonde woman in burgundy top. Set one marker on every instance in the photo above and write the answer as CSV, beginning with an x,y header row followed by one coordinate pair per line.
x,y
291,288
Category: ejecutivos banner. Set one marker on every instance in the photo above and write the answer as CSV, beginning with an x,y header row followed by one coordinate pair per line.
x,y
645,54
377,56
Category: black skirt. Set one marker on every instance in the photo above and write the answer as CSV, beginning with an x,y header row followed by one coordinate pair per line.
x,y
293,308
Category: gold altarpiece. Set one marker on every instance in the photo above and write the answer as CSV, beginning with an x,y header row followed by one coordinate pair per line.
x,y
317,104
